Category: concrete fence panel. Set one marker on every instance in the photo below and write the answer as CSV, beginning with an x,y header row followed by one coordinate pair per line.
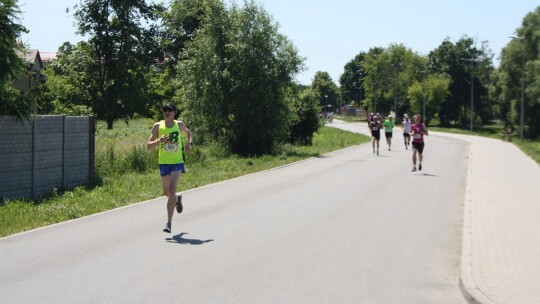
x,y
44,153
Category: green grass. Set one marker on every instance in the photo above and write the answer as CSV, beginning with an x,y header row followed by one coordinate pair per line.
x,y
529,147
128,174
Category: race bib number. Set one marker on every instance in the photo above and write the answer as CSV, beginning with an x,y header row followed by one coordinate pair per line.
x,y
375,129
171,147
417,136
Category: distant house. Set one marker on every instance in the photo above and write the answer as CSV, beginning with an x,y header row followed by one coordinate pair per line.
x,y
46,58
34,66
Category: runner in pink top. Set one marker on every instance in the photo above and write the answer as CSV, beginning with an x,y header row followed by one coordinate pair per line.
x,y
418,130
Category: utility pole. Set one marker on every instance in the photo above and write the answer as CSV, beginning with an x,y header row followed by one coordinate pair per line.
x,y
472,89
522,106
424,76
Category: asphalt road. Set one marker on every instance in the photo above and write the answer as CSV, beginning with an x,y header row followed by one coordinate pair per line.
x,y
347,227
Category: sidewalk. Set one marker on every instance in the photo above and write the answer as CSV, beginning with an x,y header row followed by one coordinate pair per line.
x,y
500,261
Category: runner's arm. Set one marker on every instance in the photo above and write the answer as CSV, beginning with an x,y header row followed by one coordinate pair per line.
x,y
153,141
186,131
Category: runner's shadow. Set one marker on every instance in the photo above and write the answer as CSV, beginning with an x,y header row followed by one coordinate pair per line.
x,y
184,241
427,174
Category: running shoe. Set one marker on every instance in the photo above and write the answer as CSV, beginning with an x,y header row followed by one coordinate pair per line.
x,y
167,228
413,169
420,167
179,207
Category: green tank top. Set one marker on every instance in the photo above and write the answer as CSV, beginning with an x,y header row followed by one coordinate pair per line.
x,y
172,151
388,126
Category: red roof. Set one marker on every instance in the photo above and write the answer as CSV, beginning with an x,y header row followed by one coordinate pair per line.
x,y
47,56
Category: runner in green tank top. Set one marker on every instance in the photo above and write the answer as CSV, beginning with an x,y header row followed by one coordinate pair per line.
x,y
388,129
167,137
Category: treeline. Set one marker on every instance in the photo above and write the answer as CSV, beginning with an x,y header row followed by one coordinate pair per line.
x,y
455,85
227,68
231,73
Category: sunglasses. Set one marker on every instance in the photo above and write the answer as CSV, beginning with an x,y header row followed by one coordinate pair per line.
x,y
167,110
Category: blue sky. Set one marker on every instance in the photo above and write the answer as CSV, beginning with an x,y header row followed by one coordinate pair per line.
x,y
329,33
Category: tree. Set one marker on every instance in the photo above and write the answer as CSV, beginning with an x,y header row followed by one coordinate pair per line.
x,y
389,73
11,62
122,49
432,91
70,87
327,91
460,61
12,102
180,24
233,78
351,81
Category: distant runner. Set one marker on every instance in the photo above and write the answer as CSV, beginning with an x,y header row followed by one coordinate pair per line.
x,y
388,129
418,131
406,125
375,127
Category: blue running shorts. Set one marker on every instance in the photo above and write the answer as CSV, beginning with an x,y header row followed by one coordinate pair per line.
x,y
165,170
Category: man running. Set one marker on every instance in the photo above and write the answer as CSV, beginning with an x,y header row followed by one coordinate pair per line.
x,y
418,131
375,128
406,125
167,137
388,129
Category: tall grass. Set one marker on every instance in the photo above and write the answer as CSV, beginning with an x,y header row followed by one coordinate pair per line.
x,y
128,173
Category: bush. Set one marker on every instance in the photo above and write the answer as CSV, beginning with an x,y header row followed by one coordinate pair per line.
x,y
305,120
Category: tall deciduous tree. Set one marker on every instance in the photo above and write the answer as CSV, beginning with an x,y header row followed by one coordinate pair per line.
x,y
460,61
351,81
429,93
389,73
70,85
180,24
122,47
234,75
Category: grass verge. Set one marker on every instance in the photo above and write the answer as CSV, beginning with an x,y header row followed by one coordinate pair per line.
x,y
119,187
529,147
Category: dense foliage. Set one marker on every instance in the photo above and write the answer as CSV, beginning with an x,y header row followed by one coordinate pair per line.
x,y
121,47
520,58
232,73
233,78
